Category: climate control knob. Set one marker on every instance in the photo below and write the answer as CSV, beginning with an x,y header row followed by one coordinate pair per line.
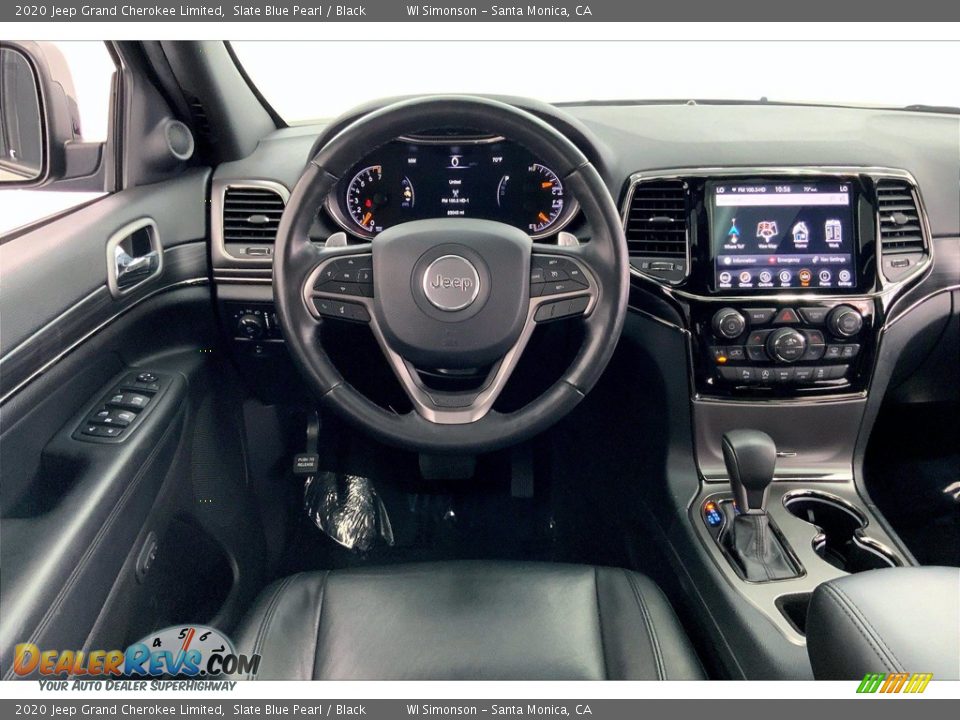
x,y
786,345
250,326
729,324
845,321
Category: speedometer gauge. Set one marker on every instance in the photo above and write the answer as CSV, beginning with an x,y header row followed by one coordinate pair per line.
x,y
537,197
368,195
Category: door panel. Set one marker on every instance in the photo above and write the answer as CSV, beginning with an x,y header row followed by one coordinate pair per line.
x,y
71,509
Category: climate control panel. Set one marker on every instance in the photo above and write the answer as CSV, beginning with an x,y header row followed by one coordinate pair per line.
x,y
756,349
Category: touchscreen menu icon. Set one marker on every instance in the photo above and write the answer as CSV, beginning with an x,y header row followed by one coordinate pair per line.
x,y
801,235
767,229
833,231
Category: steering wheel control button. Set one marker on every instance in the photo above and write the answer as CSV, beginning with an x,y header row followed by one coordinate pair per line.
x,y
729,324
451,283
814,315
760,316
561,309
341,310
787,316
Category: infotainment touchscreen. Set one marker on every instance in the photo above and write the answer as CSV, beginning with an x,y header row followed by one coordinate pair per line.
x,y
797,235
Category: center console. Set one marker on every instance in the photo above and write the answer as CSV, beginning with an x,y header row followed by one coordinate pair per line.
x,y
781,280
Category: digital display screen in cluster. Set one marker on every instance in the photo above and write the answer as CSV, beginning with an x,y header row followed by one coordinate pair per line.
x,y
797,235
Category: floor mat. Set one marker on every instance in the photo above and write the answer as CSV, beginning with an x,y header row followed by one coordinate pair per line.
x,y
912,461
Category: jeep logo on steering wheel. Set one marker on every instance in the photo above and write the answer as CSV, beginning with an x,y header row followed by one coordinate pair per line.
x,y
451,283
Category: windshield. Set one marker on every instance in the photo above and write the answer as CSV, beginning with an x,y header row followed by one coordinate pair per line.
x,y
316,80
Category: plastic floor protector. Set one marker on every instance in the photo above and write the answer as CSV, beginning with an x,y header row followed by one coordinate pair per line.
x,y
347,509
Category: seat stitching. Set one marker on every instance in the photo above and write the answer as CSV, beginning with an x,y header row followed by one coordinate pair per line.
x,y
863,618
839,601
648,623
316,634
268,616
603,644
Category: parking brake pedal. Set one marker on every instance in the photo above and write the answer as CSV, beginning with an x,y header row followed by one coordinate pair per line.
x,y
307,463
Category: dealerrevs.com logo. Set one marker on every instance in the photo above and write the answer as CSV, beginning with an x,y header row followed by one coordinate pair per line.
x,y
178,651
888,683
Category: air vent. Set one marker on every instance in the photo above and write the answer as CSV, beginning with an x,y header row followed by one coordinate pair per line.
x,y
251,215
657,220
900,225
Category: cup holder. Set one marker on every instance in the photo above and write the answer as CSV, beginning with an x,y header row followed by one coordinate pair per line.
x,y
841,539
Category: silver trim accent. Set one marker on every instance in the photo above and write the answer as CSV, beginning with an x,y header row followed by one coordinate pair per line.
x,y
86,336
419,394
119,263
914,305
217,194
425,283
887,289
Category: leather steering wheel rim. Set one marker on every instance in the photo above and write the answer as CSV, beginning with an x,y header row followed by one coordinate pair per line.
x,y
605,256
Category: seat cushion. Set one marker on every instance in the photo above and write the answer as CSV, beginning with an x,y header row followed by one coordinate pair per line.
x,y
468,621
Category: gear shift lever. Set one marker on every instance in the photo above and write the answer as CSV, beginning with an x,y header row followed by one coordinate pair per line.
x,y
751,457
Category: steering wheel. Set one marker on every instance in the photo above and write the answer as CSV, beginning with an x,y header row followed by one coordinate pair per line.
x,y
454,292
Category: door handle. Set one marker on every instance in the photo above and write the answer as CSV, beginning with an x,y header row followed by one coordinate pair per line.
x,y
134,256
131,270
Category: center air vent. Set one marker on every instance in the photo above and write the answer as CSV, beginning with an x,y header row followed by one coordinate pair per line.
x,y
251,215
656,228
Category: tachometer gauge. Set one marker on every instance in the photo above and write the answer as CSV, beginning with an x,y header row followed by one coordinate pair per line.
x,y
538,197
368,194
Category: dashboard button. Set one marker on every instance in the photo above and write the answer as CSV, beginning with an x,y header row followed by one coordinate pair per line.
x,y
736,352
814,337
787,316
813,353
757,353
728,323
802,374
814,315
784,374
765,375
850,351
760,316
822,372
834,352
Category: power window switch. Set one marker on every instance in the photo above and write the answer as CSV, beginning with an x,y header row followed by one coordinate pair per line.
x,y
106,431
117,418
128,401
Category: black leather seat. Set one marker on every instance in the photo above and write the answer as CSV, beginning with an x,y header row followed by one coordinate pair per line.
x,y
468,620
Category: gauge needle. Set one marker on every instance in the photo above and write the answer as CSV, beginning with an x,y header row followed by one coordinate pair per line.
x,y
543,217
366,218
546,185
